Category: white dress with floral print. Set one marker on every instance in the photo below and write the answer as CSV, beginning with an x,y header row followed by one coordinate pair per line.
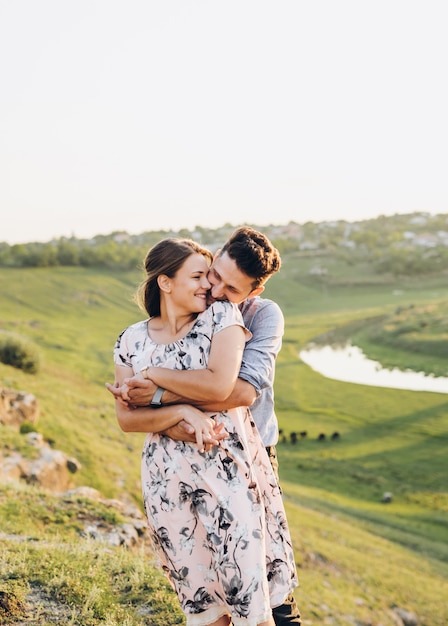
x,y
216,518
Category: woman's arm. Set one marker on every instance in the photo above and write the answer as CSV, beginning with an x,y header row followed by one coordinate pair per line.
x,y
217,380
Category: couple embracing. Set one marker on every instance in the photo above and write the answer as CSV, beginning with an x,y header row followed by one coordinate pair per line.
x,y
186,376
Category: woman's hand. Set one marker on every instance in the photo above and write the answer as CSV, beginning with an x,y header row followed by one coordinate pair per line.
x,y
207,432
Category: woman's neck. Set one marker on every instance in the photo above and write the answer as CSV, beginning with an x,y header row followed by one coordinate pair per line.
x,y
168,327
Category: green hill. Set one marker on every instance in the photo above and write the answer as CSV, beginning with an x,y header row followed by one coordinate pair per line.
x,y
360,560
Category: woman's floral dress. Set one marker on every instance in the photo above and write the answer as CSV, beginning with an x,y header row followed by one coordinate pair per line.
x,y
216,518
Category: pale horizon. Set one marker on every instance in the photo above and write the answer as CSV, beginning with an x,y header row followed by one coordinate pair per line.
x,y
144,115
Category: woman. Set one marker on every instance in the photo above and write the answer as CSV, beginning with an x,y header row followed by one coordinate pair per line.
x,y
214,508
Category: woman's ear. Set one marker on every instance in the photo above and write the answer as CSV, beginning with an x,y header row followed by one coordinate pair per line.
x,y
164,283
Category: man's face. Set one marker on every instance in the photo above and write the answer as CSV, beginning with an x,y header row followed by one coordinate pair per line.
x,y
228,282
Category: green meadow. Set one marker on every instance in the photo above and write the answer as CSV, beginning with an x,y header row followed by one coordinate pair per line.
x,y
359,559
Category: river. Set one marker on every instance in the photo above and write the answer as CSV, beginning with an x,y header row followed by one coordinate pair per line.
x,y
350,364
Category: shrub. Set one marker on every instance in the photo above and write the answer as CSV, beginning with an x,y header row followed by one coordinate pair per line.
x,y
27,427
19,352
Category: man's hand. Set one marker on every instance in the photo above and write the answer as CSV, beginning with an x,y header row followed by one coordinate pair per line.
x,y
140,390
135,391
181,432
119,394
197,428
185,432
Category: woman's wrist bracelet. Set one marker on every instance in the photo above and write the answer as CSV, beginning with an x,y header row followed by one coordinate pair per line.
x,y
144,370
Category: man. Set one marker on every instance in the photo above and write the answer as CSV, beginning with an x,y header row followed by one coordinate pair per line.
x,y
238,274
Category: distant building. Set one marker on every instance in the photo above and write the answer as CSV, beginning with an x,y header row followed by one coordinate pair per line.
x,y
308,245
421,220
121,237
426,240
443,236
348,243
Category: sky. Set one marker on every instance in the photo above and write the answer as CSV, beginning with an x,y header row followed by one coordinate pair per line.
x,y
141,115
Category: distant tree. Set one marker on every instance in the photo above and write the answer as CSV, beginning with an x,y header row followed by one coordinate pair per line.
x,y
68,252
366,237
5,255
409,262
207,235
184,233
285,245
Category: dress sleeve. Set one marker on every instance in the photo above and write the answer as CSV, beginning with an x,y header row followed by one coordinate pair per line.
x,y
225,314
122,354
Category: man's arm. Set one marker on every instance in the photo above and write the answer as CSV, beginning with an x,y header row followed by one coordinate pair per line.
x,y
266,322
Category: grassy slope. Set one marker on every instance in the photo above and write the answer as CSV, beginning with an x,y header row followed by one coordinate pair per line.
x,y
390,440
75,317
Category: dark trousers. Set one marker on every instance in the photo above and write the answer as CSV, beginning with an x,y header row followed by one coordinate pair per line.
x,y
288,612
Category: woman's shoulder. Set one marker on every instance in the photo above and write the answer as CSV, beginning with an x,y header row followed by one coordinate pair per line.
x,y
223,306
222,313
139,328
222,309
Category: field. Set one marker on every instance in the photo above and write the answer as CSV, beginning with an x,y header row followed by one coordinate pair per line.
x,y
360,560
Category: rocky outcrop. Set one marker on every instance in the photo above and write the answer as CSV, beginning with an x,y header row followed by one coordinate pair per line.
x,y
17,407
53,470
131,533
44,466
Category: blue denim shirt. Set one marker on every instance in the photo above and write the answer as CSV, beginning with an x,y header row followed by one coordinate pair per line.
x,y
265,321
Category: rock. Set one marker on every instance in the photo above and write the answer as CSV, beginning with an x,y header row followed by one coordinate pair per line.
x,y
128,534
84,492
122,535
12,467
73,465
35,439
407,617
17,407
132,532
49,471
52,469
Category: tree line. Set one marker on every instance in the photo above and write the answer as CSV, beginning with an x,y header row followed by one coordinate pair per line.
x,y
390,244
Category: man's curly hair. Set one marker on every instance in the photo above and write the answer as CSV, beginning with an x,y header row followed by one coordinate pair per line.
x,y
253,254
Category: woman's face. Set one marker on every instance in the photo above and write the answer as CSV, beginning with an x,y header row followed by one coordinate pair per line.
x,y
190,285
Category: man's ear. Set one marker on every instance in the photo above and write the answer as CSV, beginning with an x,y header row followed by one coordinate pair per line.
x,y
216,255
164,283
255,292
